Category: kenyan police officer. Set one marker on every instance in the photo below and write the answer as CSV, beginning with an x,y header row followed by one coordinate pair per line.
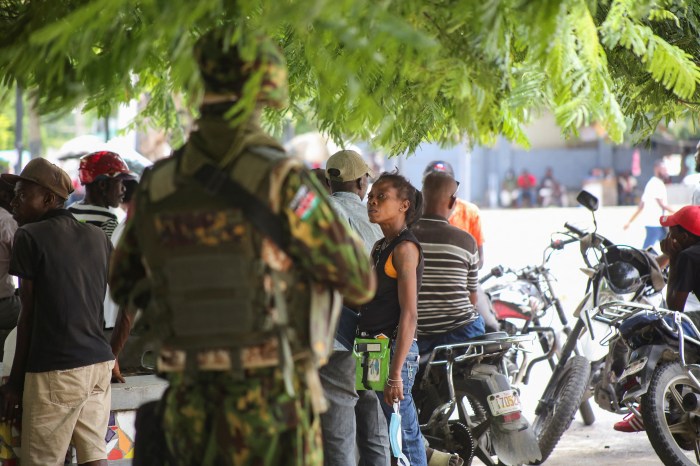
x,y
237,260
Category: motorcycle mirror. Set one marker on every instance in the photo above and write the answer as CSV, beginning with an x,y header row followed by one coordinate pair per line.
x,y
587,200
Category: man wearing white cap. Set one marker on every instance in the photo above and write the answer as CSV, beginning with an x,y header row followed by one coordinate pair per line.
x,y
351,415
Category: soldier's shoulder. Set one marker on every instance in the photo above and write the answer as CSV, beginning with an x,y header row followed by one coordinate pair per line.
x,y
159,179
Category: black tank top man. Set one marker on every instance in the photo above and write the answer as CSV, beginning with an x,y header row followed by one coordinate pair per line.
x,y
381,315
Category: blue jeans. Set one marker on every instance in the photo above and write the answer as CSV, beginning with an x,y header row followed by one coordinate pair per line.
x,y
654,234
460,335
413,446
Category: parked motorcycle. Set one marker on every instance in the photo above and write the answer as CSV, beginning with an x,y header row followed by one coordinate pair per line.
x,y
615,273
523,300
467,378
658,379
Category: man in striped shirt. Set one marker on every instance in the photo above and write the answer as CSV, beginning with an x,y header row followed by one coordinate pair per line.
x,y
446,312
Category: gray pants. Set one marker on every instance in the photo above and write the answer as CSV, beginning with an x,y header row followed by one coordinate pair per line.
x,y
350,417
9,312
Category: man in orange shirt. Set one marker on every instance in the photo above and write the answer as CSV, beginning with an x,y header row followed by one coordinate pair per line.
x,y
466,216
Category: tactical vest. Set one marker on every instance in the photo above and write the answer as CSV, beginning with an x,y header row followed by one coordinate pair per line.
x,y
214,281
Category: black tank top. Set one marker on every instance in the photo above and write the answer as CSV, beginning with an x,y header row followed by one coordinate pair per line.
x,y
381,315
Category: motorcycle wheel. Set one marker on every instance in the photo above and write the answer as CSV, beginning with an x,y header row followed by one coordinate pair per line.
x,y
672,431
563,399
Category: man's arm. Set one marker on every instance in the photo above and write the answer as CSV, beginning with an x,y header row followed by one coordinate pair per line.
x,y
126,268
122,328
405,257
665,206
11,392
636,213
679,274
322,244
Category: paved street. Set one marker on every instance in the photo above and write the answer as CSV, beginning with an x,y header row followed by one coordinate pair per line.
x,y
516,238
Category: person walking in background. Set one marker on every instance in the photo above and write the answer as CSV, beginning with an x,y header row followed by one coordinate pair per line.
x,y
236,259
102,173
353,417
394,204
653,205
62,366
527,184
9,301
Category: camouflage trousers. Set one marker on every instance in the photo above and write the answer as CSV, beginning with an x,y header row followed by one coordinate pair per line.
x,y
211,418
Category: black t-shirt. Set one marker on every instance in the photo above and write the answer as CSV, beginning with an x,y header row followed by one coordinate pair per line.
x,y
67,262
382,314
687,274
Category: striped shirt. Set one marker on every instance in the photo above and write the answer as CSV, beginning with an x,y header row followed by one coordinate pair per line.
x,y
102,217
451,272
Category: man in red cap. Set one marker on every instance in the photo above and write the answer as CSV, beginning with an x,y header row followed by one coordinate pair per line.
x,y
682,246
103,174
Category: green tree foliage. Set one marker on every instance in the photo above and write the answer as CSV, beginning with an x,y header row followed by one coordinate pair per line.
x,y
394,71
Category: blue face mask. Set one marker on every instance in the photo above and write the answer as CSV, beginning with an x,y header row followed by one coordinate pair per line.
x,y
395,437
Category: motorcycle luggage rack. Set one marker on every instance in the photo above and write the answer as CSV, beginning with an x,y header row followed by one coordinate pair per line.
x,y
614,312
459,352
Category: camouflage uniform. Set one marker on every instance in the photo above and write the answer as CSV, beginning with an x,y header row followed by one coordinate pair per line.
x,y
212,416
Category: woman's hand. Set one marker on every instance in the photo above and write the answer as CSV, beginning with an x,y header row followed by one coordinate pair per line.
x,y
393,391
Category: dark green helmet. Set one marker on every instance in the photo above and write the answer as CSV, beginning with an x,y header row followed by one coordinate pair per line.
x,y
225,71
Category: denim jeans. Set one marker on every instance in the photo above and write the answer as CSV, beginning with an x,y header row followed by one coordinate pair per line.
x,y
413,446
372,431
654,234
460,335
349,415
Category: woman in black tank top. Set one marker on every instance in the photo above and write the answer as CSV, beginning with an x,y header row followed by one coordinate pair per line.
x,y
394,204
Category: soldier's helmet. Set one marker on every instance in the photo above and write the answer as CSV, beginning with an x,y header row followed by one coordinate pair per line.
x,y
226,68
102,164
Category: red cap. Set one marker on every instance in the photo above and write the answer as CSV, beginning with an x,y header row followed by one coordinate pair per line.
x,y
687,217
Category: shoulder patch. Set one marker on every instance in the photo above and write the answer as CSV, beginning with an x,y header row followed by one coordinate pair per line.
x,y
304,202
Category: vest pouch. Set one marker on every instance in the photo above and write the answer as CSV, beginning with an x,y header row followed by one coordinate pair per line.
x,y
372,369
213,301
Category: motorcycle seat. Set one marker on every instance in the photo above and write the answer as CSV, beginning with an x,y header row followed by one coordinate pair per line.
x,y
490,336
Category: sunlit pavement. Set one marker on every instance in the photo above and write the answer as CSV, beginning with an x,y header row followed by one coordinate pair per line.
x,y
516,238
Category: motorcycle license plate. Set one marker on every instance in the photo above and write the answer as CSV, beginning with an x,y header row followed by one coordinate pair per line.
x,y
504,402
634,367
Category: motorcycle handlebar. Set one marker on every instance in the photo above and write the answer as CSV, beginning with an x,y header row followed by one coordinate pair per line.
x,y
574,230
497,272
559,244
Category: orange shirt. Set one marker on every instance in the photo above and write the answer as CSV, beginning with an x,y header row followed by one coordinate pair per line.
x,y
465,216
